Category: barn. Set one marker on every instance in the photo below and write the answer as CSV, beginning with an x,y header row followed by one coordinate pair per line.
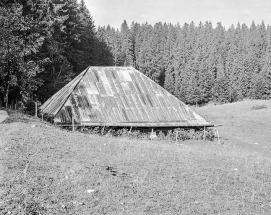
x,y
118,97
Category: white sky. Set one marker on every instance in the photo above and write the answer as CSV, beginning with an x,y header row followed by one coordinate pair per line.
x,y
114,12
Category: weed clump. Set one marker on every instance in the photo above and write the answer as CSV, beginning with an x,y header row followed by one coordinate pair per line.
x,y
258,107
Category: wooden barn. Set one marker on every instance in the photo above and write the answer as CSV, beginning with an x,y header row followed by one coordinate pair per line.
x,y
119,97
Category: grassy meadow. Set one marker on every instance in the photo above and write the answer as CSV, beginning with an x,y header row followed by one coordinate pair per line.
x,y
48,170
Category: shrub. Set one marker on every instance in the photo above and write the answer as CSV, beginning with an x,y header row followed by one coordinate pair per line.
x,y
30,107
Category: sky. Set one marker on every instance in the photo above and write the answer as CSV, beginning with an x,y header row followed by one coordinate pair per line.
x,y
228,12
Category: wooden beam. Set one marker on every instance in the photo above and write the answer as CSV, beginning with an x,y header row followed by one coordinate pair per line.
x,y
72,123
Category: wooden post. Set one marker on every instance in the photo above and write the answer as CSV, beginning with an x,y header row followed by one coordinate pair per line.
x,y
72,124
130,131
36,109
103,130
81,127
151,136
204,133
218,139
177,132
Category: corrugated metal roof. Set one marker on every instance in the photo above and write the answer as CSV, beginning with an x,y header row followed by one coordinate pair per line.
x,y
119,96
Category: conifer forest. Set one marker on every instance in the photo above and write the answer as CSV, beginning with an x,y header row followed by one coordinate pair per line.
x,y
44,44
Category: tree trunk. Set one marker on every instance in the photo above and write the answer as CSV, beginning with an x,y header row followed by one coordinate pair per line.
x,y
6,97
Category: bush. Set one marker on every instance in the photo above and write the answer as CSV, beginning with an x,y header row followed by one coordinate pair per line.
x,y
30,107
188,134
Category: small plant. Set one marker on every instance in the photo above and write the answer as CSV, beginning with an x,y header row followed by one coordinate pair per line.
x,y
258,107
93,131
161,135
121,132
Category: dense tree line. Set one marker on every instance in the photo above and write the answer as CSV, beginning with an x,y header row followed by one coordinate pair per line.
x,y
43,45
200,63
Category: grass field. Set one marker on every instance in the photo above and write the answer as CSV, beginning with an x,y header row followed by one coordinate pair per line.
x,y
243,124
52,171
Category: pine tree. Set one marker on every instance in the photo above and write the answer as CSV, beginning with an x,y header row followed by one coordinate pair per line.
x,y
169,83
221,89
266,74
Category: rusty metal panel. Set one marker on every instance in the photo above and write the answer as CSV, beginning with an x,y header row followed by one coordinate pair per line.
x,y
173,114
91,86
114,74
101,88
137,107
178,113
130,100
117,114
146,116
96,75
143,85
72,101
124,75
154,100
155,114
119,87
150,115
126,87
133,116
113,87
102,75
108,73
125,115
92,77
167,114
124,102
107,88
132,87
119,101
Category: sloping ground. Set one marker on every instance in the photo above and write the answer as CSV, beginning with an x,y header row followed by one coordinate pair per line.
x,y
53,171
3,115
243,124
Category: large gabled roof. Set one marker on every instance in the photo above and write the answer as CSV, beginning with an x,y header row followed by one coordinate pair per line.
x,y
119,96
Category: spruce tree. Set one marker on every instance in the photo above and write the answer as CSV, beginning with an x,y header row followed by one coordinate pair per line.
x,y
266,74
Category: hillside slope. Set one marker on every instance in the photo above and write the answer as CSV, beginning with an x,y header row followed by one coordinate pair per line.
x,y
48,170
242,123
